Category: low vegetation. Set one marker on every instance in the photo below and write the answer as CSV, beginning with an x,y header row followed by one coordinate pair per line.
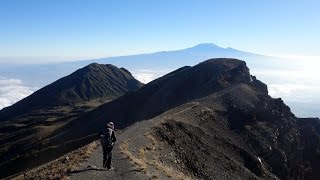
x,y
60,168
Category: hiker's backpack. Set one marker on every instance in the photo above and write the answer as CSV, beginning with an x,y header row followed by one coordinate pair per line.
x,y
106,137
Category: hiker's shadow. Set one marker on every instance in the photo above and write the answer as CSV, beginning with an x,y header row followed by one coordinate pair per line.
x,y
87,169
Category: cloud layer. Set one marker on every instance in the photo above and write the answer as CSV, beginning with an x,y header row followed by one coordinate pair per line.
x,y
145,76
295,92
13,90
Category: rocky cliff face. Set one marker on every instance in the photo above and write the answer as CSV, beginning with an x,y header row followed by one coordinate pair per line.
x,y
309,129
243,132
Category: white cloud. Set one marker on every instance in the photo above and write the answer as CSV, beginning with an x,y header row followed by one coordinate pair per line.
x,y
13,90
146,75
296,80
9,82
303,99
295,92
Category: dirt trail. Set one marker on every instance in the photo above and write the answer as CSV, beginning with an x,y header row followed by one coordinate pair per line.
x,y
123,168
136,155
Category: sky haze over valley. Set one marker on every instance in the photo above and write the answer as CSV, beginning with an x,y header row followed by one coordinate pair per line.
x,y
42,41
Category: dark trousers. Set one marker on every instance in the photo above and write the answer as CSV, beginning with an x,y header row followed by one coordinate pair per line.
x,y
107,156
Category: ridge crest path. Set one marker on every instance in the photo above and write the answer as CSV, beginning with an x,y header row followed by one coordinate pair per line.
x,y
124,168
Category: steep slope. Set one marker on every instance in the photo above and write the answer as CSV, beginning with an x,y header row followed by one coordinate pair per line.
x,y
241,133
235,133
91,82
26,124
175,88
210,121
229,128
238,132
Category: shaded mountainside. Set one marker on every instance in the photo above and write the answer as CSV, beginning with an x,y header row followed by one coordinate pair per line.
x,y
235,133
175,88
27,124
91,82
241,133
233,129
210,121
171,90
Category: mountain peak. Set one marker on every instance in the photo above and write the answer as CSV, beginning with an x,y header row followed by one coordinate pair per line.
x,y
93,65
97,66
205,46
88,83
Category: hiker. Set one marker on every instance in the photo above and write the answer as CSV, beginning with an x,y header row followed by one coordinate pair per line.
x,y
107,138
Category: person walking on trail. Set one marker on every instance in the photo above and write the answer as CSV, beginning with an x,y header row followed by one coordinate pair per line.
x,y
107,138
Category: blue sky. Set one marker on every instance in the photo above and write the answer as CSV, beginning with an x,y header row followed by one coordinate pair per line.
x,y
70,29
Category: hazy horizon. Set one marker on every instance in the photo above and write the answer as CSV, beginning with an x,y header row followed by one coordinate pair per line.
x,y
35,33
294,80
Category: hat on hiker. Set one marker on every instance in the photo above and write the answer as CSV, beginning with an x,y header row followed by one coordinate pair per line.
x,y
110,125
